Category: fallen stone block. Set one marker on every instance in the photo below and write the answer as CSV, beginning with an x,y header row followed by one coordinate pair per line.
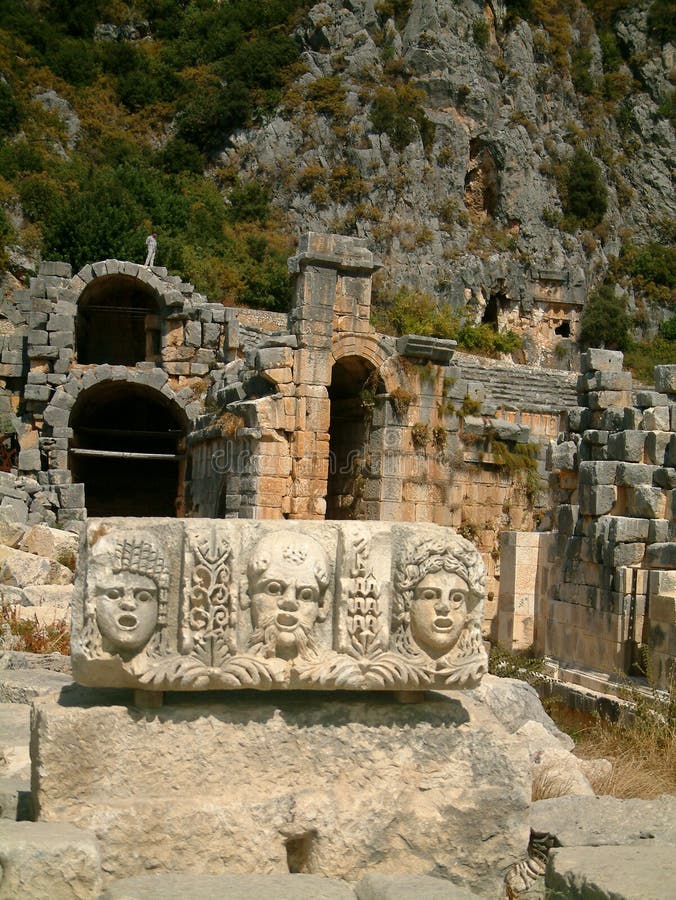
x,y
42,859
513,703
409,887
643,871
229,887
597,821
554,770
51,543
11,533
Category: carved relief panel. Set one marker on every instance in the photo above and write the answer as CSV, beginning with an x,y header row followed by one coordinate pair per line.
x,y
217,604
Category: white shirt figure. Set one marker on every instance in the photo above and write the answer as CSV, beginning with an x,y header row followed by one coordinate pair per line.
x,y
151,244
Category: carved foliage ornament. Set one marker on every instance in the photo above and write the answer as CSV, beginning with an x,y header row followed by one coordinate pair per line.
x,y
170,605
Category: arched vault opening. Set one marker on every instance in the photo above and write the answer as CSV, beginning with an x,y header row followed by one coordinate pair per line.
x,y
127,449
354,392
118,322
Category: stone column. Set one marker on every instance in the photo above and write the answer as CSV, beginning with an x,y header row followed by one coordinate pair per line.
x,y
326,265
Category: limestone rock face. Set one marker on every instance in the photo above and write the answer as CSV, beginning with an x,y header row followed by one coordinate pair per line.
x,y
198,604
332,785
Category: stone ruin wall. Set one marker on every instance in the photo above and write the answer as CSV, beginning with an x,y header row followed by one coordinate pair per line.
x,y
253,391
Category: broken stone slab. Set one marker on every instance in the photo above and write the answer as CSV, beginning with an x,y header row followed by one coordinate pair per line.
x,y
513,703
232,887
14,739
15,799
409,887
44,859
56,596
599,821
20,659
285,780
24,685
192,604
642,871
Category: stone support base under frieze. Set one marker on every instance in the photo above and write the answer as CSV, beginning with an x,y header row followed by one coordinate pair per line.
x,y
166,604
337,785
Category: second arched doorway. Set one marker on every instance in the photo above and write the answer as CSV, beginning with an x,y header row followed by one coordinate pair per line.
x,y
355,390
127,449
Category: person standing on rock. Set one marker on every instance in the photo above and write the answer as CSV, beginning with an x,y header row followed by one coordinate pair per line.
x,y
151,244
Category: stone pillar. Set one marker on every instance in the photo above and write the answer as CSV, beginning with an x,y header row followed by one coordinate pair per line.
x,y
333,283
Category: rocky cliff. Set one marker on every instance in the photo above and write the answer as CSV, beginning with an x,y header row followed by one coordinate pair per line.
x,y
446,132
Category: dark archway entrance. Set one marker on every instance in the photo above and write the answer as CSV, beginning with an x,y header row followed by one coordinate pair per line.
x,y
127,449
117,322
353,393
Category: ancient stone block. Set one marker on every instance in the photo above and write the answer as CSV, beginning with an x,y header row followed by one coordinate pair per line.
x,y
665,379
30,460
660,556
657,448
648,502
597,500
622,529
604,360
349,605
288,781
632,474
627,446
594,472
40,859
656,418
564,456
646,399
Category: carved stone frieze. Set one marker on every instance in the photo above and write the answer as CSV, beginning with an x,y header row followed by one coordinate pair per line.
x,y
170,604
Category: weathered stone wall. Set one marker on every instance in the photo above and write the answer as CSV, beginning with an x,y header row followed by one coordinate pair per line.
x,y
615,493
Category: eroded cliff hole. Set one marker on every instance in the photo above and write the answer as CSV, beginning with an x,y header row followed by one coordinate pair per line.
x,y
299,853
127,449
481,182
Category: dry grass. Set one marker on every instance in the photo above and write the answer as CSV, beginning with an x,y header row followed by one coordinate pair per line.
x,y
31,635
548,784
642,754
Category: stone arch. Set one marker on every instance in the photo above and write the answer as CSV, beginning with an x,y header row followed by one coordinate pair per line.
x,y
126,435
120,309
372,348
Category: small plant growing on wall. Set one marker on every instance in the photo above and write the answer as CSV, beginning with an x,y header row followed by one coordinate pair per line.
x,y
439,438
420,435
401,400
470,407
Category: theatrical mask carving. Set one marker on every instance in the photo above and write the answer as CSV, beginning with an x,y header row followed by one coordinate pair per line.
x,y
440,587
329,606
288,577
128,595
